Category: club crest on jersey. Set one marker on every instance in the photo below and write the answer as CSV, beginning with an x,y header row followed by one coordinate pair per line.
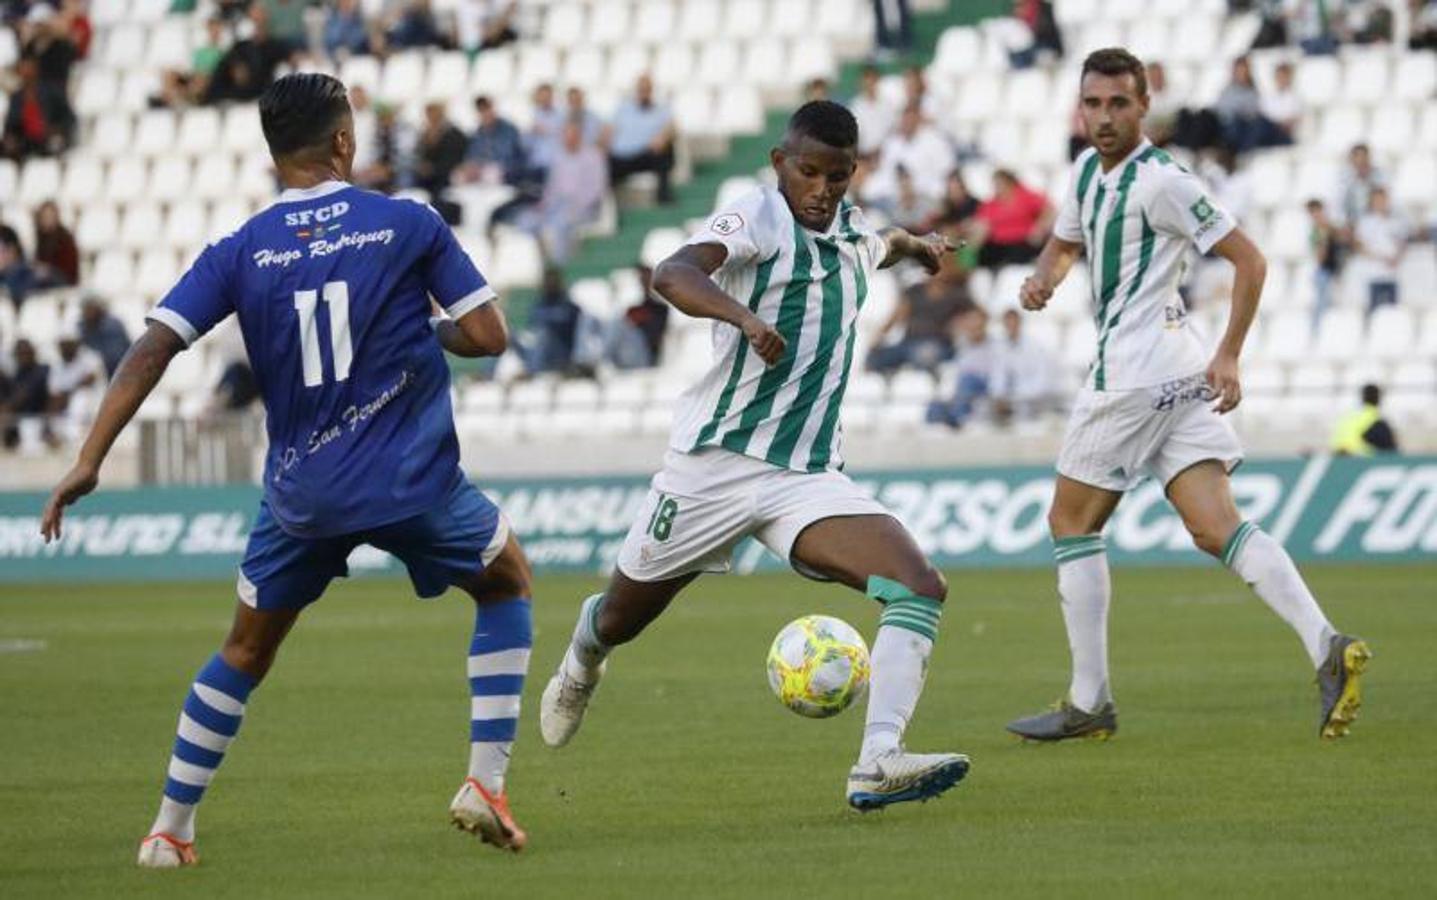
x,y
314,222
727,224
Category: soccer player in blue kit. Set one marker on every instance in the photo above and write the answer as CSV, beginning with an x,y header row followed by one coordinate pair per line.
x,y
332,287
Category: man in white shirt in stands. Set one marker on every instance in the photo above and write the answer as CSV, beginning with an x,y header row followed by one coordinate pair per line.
x,y
876,118
918,148
1380,238
77,381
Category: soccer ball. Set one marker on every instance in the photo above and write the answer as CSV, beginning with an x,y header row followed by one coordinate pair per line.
x,y
818,666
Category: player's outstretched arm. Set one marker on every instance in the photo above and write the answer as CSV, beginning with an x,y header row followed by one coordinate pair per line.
x,y
685,280
1250,270
928,251
483,331
1052,267
138,373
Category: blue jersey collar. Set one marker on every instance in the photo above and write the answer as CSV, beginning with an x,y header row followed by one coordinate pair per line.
x,y
323,189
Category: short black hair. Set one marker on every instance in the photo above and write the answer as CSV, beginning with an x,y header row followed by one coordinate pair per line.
x,y
826,122
1371,395
300,111
1117,61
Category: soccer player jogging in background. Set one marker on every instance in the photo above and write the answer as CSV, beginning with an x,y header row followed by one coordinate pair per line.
x,y
1148,405
754,447
332,287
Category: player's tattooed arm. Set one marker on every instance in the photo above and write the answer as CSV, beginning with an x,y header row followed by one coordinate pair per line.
x,y
138,373
483,331
1249,272
685,280
1052,267
928,251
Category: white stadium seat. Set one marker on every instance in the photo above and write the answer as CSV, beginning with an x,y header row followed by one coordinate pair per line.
x,y
595,296
493,72
1338,336
84,179
1150,39
170,178
673,66
140,225
128,179
698,22
1318,80
199,131
626,63
1195,40
157,272
654,22
610,25
959,51
790,18
149,11
1416,180
403,77
362,71
812,57
170,45
746,20
584,65
1026,95
1393,127
97,228
185,225
537,64
659,244
111,136
1416,77
719,64
1365,76
1391,334
95,91
564,24
125,46
448,76
740,111
214,176
39,180
1342,127
242,131
137,86
225,217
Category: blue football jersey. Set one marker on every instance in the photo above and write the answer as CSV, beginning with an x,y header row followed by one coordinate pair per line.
x,y
331,286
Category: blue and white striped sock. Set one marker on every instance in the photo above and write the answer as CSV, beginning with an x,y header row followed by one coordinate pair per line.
x,y
209,721
498,662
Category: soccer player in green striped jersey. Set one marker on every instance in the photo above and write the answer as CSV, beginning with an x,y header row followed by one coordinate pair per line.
x,y
754,449
1154,402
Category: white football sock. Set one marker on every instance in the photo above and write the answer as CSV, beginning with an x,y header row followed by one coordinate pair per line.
x,y
175,819
1086,590
586,652
1264,564
899,661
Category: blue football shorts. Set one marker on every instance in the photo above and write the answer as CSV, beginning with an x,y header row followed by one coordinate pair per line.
x,y
440,547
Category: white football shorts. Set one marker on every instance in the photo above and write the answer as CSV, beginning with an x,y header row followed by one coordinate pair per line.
x,y
701,504
1115,439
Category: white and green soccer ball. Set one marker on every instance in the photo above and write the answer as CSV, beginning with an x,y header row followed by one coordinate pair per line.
x,y
818,666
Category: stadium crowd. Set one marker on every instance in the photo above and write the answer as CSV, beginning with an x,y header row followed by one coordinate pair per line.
x,y
559,170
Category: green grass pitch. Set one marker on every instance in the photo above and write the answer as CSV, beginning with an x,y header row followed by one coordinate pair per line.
x,y
690,780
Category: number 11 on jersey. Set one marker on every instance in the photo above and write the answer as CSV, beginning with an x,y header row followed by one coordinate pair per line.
x,y
306,303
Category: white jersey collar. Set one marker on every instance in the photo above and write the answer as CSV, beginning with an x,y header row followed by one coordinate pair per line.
x,y
323,189
1116,171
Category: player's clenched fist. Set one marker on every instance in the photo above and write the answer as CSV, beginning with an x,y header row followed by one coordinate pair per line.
x,y
764,339
1035,293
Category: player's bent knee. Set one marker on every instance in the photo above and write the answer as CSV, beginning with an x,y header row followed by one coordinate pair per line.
x,y
507,576
1208,541
927,582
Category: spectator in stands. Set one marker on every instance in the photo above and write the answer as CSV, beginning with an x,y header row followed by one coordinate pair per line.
x,y
573,193
546,128
553,326
45,37
928,314
285,22
15,272
1422,14
591,127
893,22
1282,106
1024,385
1272,23
57,258
485,24
917,147
958,207
366,128
206,57
976,372
247,67
1046,40
495,154
1379,241
102,332
77,380
415,28
393,149
1011,227
1369,22
437,154
1364,431
27,392
641,139
345,32
1358,180
908,209
1325,239
875,118
1163,107
1317,26
817,89
1239,109
38,117
637,339
235,390
916,94
78,27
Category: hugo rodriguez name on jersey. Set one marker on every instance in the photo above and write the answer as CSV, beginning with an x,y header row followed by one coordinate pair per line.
x,y
1137,221
331,286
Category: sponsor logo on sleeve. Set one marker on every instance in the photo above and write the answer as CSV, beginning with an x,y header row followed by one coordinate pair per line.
x,y
727,224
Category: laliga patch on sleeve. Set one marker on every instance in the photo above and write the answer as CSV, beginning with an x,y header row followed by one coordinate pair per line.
x,y
727,224
1202,210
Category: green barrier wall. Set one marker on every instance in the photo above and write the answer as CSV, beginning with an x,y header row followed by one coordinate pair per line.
x,y
1339,509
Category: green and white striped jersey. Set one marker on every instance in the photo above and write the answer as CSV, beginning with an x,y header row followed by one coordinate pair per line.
x,y
1137,221
811,287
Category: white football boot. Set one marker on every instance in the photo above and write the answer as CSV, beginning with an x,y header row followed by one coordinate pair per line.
x,y
898,776
477,811
561,710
